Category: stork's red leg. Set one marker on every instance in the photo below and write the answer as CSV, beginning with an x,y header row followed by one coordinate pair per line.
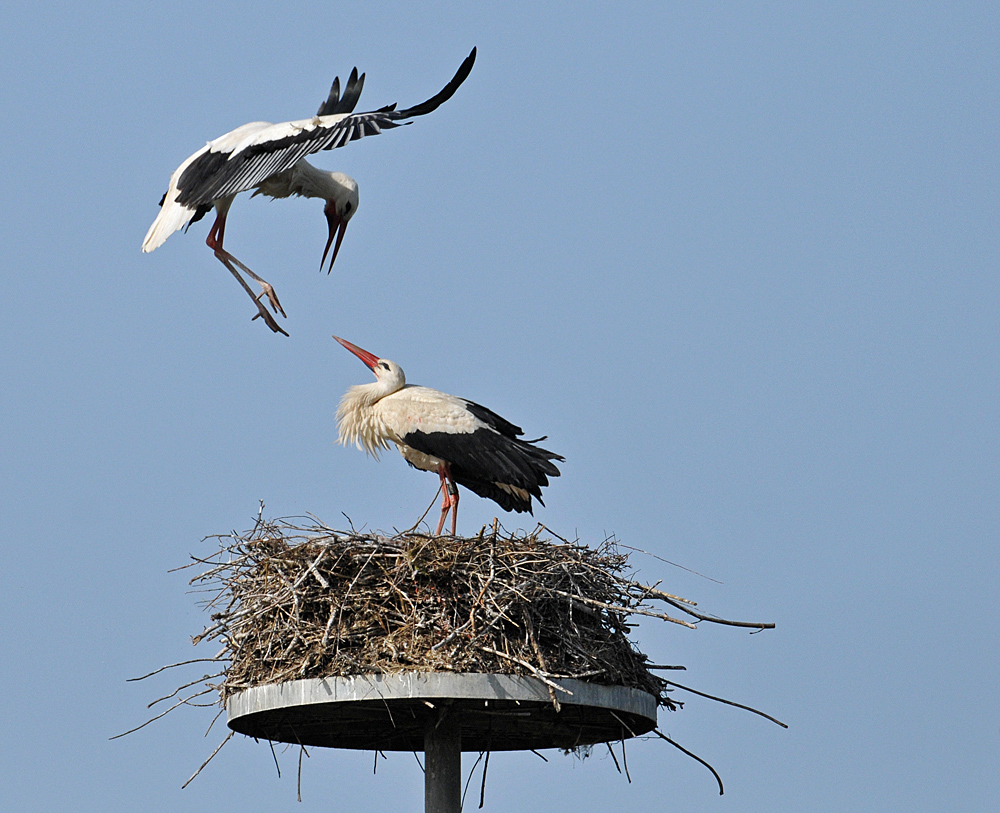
x,y
217,233
453,490
214,241
449,499
445,501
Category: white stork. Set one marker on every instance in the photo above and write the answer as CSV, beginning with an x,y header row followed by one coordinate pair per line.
x,y
463,442
270,159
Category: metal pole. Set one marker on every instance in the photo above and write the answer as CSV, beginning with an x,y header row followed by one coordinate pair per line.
x,y
443,763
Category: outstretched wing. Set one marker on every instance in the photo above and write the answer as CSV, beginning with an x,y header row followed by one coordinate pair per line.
x,y
251,154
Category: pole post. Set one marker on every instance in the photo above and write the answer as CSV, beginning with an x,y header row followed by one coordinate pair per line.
x,y
443,763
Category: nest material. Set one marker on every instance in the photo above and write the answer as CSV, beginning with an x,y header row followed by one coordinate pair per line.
x,y
296,602
292,602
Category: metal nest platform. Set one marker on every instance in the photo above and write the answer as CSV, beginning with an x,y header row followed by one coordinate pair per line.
x,y
394,712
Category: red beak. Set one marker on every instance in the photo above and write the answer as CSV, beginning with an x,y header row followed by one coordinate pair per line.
x,y
364,355
335,221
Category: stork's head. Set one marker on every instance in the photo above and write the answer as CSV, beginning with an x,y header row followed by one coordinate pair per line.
x,y
388,373
341,193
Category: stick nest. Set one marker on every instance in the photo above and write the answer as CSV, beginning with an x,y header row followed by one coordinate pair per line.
x,y
294,602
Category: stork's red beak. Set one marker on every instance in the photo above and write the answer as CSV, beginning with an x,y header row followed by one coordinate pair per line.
x,y
364,355
336,222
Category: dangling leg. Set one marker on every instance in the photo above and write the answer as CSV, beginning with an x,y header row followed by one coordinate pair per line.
x,y
214,241
262,311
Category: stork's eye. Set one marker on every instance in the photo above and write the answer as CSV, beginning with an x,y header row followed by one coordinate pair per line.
x,y
383,365
347,207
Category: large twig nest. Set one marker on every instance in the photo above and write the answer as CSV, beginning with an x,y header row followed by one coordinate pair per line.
x,y
290,602
295,602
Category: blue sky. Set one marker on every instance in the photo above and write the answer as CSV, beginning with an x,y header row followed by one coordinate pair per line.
x,y
739,263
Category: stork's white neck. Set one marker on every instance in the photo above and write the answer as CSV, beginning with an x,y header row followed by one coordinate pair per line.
x,y
306,180
318,183
367,395
358,419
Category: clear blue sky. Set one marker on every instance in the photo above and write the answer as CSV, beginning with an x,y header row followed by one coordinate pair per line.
x,y
738,261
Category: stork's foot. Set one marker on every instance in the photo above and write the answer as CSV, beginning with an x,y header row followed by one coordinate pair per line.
x,y
265,314
266,289
229,260
272,297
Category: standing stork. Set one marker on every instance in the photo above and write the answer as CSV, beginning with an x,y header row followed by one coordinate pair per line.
x,y
465,443
270,159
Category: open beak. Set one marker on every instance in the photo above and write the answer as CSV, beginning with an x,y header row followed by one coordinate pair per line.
x,y
338,226
364,355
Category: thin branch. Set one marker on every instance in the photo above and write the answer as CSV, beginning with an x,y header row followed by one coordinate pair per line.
x,y
162,714
761,625
229,736
472,771
695,757
666,561
727,702
180,689
625,726
214,719
626,610
612,752
172,665
482,787
650,590
561,539
302,750
274,756
422,516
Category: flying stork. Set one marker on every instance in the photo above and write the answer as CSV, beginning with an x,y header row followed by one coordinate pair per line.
x,y
270,159
465,443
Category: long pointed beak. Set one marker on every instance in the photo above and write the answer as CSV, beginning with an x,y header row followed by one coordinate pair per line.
x,y
364,355
335,221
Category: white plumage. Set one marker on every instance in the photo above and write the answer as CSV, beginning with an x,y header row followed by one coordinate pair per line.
x,y
463,442
269,158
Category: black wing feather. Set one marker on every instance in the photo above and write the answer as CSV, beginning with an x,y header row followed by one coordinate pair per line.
x,y
215,175
352,92
483,459
331,101
490,418
446,92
